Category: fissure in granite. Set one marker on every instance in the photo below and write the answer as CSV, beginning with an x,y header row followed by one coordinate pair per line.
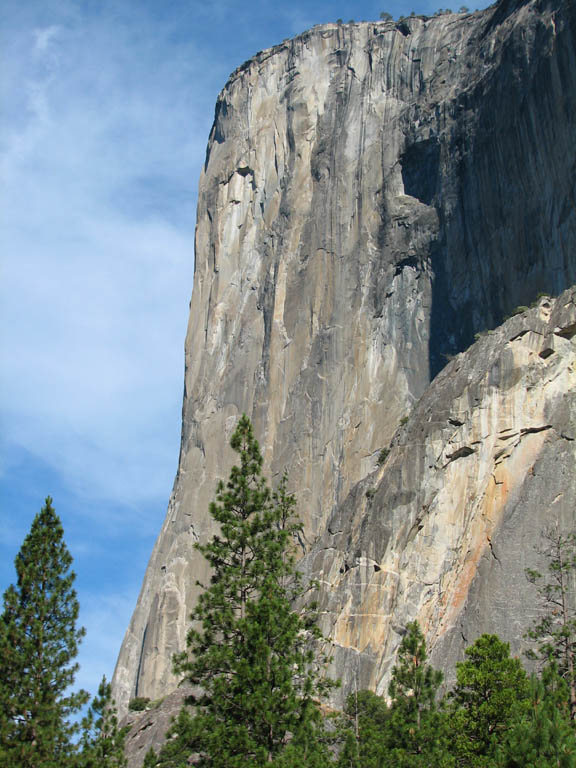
x,y
373,195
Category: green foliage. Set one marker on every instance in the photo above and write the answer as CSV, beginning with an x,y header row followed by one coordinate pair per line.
x,y
138,703
385,16
556,688
361,731
415,728
516,311
491,686
554,634
249,651
151,760
414,683
411,732
383,455
102,742
481,334
494,718
404,420
542,735
38,645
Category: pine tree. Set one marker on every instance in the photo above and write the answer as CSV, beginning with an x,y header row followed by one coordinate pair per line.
x,y
416,733
414,683
361,731
491,689
102,742
249,651
555,631
541,736
38,644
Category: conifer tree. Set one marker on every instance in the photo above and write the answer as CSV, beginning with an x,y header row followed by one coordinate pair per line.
x,y
555,631
38,644
491,689
102,742
249,650
361,731
416,735
414,683
541,735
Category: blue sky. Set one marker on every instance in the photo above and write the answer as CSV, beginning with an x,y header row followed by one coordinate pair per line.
x,y
106,108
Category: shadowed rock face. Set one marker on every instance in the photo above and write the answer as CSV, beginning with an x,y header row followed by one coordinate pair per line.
x,y
373,194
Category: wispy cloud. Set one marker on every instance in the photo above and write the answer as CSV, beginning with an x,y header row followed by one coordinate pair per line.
x,y
106,110
99,165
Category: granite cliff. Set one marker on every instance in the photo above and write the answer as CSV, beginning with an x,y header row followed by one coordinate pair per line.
x,y
373,195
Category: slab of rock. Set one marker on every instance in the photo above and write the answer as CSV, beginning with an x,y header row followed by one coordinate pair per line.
x,y
148,727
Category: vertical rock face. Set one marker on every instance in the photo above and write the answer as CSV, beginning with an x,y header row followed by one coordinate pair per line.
x,y
444,530
373,194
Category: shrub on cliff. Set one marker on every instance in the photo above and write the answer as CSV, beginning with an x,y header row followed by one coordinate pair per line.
x,y
138,703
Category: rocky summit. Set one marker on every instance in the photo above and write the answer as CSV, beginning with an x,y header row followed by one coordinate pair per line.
x,y
374,196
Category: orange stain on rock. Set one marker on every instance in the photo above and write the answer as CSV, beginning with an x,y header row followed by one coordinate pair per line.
x,y
507,476
486,520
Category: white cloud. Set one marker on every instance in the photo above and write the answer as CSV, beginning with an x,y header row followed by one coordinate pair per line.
x,y
99,168
45,37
